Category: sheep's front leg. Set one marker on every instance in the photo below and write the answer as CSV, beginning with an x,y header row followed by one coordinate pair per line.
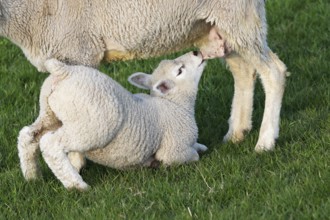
x,y
28,151
54,147
242,105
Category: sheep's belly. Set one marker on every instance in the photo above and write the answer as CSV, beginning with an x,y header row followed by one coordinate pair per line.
x,y
155,42
116,55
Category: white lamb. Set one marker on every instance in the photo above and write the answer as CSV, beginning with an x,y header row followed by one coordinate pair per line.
x,y
85,32
86,112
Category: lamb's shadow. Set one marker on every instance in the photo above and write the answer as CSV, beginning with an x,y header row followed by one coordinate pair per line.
x,y
98,175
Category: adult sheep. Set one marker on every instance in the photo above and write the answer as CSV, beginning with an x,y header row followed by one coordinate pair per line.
x,y
85,32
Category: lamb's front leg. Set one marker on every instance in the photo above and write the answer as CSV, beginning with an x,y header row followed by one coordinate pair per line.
x,y
177,155
242,105
54,147
28,151
199,147
151,162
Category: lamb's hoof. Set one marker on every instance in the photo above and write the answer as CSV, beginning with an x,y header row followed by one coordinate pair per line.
x,y
195,157
155,164
200,147
32,175
82,187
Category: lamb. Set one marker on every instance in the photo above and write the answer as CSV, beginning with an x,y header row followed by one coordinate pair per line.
x,y
87,32
85,112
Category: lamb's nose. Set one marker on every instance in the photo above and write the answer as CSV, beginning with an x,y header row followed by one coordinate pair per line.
x,y
195,53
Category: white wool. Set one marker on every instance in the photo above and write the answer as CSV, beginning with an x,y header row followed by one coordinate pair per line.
x,y
82,32
85,112
85,32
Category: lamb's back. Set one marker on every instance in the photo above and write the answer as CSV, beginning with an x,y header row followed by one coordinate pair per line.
x,y
90,106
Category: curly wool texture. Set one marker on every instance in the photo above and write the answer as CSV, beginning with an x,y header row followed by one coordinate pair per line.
x,y
131,127
85,113
85,32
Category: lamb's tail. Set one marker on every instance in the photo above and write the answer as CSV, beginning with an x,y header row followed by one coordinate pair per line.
x,y
57,68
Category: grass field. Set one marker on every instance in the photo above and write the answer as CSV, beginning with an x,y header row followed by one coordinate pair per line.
x,y
230,181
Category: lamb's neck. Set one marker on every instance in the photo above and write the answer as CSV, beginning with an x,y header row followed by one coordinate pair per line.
x,y
185,101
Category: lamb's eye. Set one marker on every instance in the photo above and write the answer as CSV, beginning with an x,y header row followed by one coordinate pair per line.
x,y
180,70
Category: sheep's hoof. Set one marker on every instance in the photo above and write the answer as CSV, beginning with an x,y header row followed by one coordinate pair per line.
x,y
261,149
235,137
265,146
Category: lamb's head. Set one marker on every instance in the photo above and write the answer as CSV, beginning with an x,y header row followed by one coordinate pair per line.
x,y
173,79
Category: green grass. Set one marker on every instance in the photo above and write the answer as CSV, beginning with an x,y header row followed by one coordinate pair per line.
x,y
230,181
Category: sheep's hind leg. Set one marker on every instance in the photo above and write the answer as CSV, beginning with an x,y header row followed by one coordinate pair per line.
x,y
54,147
242,105
272,72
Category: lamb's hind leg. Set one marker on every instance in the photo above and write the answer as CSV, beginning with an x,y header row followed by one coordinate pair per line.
x,y
28,142
29,136
54,147
242,105
77,160
28,151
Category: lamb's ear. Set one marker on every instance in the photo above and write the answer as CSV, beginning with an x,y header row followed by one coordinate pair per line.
x,y
141,80
165,86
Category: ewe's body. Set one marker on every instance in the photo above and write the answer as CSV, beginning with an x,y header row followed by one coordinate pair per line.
x,y
85,32
86,112
82,32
